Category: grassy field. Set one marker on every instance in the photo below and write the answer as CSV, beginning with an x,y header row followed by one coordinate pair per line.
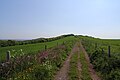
x,y
37,66
30,48
32,61
94,43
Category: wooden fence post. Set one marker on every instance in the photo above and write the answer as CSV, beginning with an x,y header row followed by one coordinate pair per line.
x,y
45,47
109,55
8,55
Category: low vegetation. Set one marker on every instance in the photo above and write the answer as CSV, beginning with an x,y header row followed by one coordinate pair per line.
x,y
107,66
42,65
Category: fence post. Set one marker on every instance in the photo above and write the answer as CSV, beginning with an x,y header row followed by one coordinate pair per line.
x,y
45,47
8,55
109,51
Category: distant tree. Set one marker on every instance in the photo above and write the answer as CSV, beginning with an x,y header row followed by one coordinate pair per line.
x,y
11,43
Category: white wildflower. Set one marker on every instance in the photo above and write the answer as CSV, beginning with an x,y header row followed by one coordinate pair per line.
x,y
21,50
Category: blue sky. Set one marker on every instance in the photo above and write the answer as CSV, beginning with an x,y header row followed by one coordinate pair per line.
x,y
26,19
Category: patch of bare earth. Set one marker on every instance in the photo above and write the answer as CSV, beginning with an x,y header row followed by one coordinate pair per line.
x,y
62,74
92,72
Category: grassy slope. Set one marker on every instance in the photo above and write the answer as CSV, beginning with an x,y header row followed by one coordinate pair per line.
x,y
103,43
31,48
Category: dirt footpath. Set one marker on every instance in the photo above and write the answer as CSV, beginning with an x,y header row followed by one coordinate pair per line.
x,y
63,73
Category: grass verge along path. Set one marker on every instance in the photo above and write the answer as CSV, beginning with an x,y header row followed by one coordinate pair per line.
x,y
75,65
88,73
